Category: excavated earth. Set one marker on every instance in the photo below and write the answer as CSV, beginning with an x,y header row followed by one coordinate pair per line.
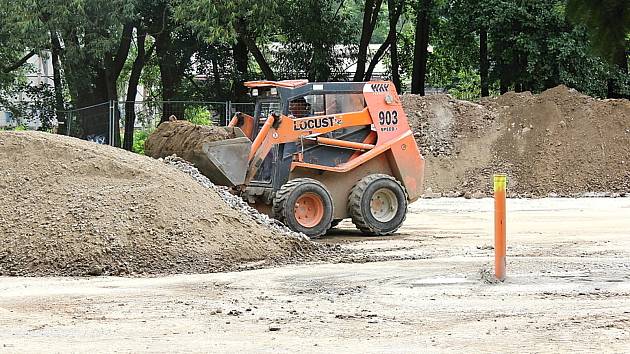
x,y
185,139
559,142
71,207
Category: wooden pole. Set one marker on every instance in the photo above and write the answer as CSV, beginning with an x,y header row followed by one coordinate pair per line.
x,y
500,183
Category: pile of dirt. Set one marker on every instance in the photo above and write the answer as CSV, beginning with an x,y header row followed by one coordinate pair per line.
x,y
71,207
186,140
172,137
559,142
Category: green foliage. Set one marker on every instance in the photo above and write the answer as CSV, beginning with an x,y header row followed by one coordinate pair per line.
x,y
218,21
531,46
608,22
38,104
17,128
313,49
466,85
139,137
198,115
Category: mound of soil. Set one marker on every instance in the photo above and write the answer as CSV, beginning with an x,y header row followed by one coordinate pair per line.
x,y
558,142
186,140
71,207
175,137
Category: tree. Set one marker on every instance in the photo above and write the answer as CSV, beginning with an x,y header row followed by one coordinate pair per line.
x,y
132,87
226,21
91,40
370,17
468,18
394,9
608,23
316,48
14,49
174,47
394,16
420,53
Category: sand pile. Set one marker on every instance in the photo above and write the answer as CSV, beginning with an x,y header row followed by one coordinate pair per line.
x,y
70,207
558,142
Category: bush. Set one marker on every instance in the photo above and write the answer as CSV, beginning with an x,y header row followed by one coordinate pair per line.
x,y
198,115
139,138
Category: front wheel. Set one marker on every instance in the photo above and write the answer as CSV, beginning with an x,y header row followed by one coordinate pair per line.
x,y
304,205
378,205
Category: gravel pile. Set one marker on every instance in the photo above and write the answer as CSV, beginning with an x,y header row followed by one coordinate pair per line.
x,y
235,202
72,208
557,143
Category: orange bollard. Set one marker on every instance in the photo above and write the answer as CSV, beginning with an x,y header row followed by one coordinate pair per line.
x,y
500,182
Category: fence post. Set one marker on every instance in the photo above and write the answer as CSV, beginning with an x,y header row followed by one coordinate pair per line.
x,y
228,110
111,123
68,122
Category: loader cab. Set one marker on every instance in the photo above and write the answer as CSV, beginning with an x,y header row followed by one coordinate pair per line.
x,y
299,99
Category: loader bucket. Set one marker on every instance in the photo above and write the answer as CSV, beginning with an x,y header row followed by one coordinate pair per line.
x,y
227,160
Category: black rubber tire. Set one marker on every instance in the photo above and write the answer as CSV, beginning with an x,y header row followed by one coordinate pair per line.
x,y
284,204
335,222
359,205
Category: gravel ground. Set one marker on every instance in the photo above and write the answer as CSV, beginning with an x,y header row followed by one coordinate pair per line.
x,y
567,290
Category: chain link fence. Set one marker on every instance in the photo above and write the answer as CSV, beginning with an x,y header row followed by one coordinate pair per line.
x,y
25,115
107,123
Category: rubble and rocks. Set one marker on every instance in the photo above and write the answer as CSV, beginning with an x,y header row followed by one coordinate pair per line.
x,y
234,201
559,142
71,207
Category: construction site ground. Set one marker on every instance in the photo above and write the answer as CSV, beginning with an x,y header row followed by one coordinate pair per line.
x,y
568,289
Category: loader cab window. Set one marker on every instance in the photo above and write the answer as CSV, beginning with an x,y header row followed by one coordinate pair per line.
x,y
266,107
307,106
325,104
344,103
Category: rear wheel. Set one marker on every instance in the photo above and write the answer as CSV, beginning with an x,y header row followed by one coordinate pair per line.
x,y
378,205
304,205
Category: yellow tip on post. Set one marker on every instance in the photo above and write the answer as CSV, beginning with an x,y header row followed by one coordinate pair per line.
x,y
500,182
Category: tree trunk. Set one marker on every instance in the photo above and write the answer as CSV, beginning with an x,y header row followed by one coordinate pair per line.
x,y
394,14
216,78
483,62
614,86
132,88
259,57
114,64
92,83
504,81
393,47
421,55
370,17
19,63
56,66
377,58
239,55
170,76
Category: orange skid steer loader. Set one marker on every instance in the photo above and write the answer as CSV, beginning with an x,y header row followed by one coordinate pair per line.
x,y
318,153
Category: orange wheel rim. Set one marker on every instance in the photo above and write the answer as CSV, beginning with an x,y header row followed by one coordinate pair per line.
x,y
309,209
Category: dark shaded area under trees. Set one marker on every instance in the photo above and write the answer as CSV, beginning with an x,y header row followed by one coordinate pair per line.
x,y
103,51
